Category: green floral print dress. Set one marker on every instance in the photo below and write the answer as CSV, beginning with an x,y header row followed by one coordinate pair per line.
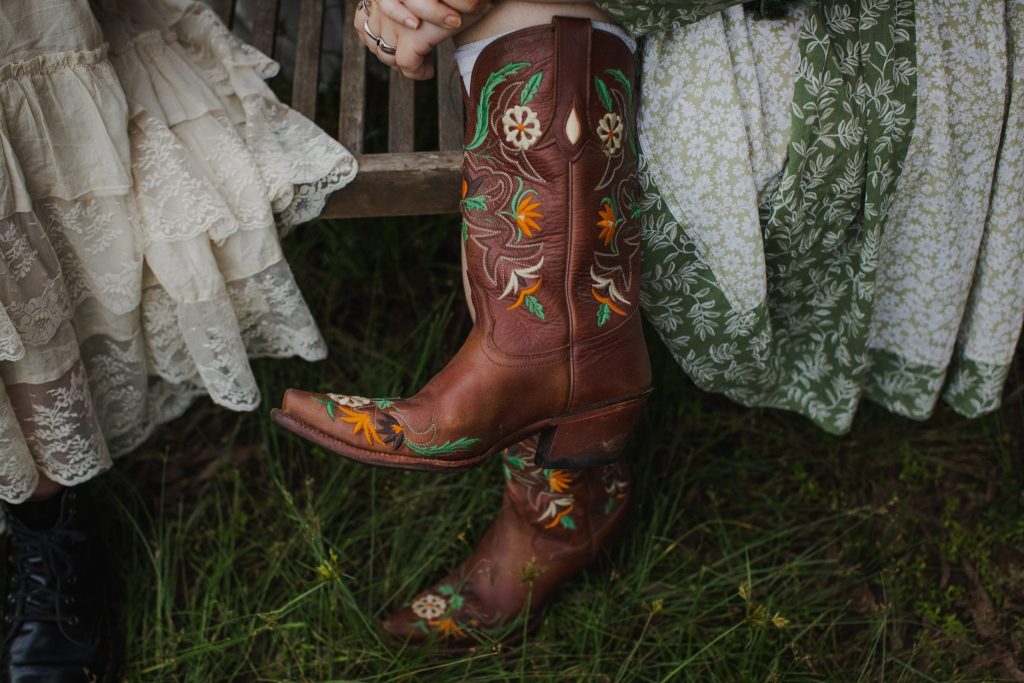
x,y
833,199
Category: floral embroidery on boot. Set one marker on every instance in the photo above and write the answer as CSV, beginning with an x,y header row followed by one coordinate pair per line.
x,y
553,523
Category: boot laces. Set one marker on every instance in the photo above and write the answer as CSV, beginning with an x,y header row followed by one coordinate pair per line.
x,y
44,564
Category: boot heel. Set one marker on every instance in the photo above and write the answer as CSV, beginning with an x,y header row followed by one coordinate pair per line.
x,y
589,438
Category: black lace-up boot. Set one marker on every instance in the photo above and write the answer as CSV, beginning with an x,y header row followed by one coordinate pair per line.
x,y
55,625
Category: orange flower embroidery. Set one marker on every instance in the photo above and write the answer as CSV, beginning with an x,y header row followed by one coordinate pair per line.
x,y
560,481
449,629
465,188
361,423
607,300
607,223
525,293
526,212
558,518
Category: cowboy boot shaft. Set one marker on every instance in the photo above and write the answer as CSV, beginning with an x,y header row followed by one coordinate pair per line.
x,y
549,207
551,236
567,509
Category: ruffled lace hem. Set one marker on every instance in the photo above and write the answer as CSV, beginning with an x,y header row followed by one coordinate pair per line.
x,y
117,390
191,69
302,165
121,304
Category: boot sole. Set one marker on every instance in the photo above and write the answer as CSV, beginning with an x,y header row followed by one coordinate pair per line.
x,y
586,438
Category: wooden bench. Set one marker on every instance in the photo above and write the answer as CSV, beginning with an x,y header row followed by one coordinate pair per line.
x,y
400,181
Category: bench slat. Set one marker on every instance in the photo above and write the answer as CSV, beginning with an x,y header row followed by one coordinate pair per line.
x,y
400,185
225,9
307,57
401,114
353,84
449,98
264,27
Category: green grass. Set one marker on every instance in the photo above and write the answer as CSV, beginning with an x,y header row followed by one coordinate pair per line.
x,y
893,554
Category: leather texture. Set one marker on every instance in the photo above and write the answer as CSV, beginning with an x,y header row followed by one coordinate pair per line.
x,y
552,525
55,624
552,246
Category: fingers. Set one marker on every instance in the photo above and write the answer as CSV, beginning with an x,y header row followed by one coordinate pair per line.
x,y
416,49
398,12
388,39
432,11
415,60
469,6
369,31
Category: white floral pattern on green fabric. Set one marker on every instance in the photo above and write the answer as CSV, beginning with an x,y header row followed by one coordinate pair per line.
x,y
928,255
992,320
657,16
715,140
803,344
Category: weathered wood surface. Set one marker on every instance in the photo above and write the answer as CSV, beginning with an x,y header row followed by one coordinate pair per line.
x,y
449,98
401,181
264,26
306,80
400,185
225,9
401,113
353,85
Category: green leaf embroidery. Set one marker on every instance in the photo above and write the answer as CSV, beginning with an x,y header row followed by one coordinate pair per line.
x,y
534,306
515,461
457,601
516,196
330,406
568,523
483,108
603,94
445,589
475,203
623,81
445,448
628,87
604,314
384,403
531,87
609,505
421,625
465,231
506,471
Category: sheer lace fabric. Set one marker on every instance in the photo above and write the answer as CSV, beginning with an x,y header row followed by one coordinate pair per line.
x,y
143,188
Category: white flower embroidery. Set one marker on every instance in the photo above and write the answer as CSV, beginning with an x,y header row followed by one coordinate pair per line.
x,y
609,129
522,127
429,606
350,401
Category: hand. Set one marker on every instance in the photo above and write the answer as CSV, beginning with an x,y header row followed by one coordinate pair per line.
x,y
413,48
449,14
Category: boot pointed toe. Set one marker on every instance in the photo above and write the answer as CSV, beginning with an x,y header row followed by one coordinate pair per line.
x,y
402,625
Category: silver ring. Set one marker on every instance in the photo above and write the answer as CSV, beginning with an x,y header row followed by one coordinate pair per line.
x,y
384,47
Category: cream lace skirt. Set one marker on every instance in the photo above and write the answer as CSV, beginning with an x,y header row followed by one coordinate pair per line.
x,y
146,172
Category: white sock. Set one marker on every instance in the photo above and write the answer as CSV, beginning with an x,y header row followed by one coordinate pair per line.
x,y
466,55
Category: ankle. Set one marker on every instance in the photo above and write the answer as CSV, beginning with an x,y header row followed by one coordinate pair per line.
x,y
46,488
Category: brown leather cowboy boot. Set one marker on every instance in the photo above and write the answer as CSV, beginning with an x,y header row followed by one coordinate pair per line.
x,y
552,239
553,523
